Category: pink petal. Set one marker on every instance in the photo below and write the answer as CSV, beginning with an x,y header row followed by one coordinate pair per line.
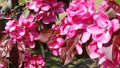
x,y
94,55
101,60
85,37
115,24
32,6
45,7
79,48
55,52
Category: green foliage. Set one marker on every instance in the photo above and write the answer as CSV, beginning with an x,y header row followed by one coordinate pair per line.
x,y
26,13
23,1
117,1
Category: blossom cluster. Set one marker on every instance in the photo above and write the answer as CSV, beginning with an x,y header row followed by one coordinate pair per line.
x,y
24,30
56,45
82,18
79,16
35,61
46,10
82,24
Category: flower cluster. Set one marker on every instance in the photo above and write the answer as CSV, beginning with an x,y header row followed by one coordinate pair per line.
x,y
46,9
56,45
103,28
83,19
80,14
24,30
35,61
83,25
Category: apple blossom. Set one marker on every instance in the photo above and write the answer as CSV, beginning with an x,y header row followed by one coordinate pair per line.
x,y
82,26
104,6
34,61
103,28
24,30
55,45
46,9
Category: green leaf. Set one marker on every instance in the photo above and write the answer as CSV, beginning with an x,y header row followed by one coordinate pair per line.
x,y
26,13
117,1
29,0
22,1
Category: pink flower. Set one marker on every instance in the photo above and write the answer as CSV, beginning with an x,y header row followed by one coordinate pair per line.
x,y
95,50
32,29
58,7
85,37
25,21
104,6
49,17
23,30
17,32
103,28
69,29
78,47
9,24
28,40
55,45
34,61
81,9
47,10
79,16
106,63
33,6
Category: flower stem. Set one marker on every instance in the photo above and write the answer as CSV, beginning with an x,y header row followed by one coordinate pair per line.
x,y
43,52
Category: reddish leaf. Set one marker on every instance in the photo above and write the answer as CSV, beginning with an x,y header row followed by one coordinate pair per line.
x,y
4,37
5,46
68,51
21,47
8,49
109,49
116,39
114,5
46,35
21,58
16,57
116,45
